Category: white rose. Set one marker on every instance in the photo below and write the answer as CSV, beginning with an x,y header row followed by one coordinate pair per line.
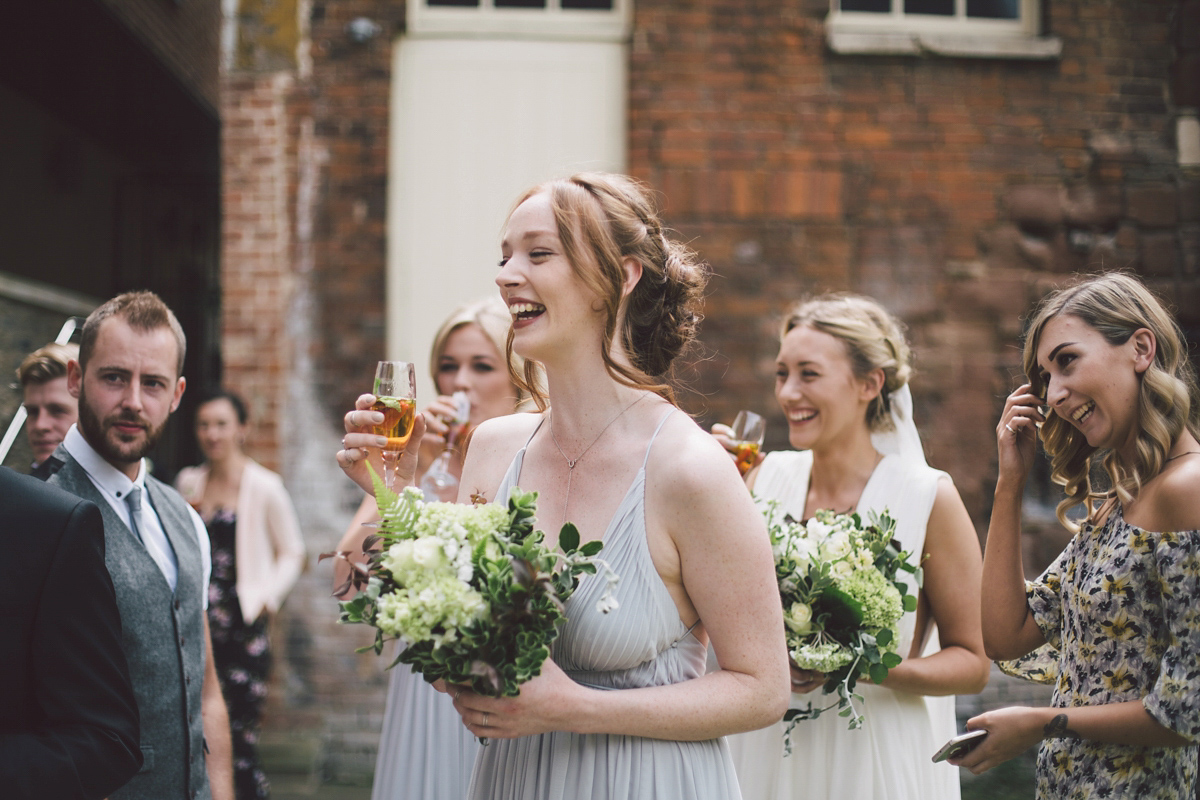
x,y
429,554
817,530
399,558
799,618
838,545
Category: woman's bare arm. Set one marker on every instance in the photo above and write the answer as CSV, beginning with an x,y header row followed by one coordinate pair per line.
x,y
952,587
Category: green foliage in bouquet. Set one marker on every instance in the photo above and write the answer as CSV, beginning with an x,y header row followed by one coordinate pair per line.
x,y
472,592
843,596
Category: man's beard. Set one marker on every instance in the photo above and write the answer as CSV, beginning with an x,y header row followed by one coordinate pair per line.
x,y
113,451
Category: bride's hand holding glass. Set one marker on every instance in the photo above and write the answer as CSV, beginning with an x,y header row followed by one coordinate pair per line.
x,y
743,441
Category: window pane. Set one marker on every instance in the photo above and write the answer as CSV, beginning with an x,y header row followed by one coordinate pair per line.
x,y
520,3
993,9
880,6
597,5
942,7
472,3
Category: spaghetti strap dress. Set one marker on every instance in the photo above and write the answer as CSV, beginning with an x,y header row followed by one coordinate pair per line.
x,y
425,751
889,757
642,643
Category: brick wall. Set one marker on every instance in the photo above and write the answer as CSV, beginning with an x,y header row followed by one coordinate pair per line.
x,y
183,35
955,190
305,115
258,275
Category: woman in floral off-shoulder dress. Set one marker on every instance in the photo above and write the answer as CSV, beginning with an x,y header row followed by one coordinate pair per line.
x,y
1113,622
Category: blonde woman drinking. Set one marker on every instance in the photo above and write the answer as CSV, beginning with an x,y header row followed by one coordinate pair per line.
x,y
842,382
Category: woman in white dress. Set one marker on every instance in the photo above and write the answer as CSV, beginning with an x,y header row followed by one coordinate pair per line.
x,y
841,380
623,709
425,753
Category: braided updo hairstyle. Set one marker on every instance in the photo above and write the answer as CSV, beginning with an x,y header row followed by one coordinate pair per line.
x,y
603,219
874,339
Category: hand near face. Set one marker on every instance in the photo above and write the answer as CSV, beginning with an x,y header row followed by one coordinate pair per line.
x,y
1016,433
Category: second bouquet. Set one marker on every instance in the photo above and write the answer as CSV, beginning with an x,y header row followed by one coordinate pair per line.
x,y
842,593
472,592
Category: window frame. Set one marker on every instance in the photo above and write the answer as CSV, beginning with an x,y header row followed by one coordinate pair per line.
x,y
551,22
901,33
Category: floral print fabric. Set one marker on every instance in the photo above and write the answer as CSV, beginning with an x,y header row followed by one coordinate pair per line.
x,y
242,658
1119,612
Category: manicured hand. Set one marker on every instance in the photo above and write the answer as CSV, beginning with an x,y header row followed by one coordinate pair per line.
x,y
362,446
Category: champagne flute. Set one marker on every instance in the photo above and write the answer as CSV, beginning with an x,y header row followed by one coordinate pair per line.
x,y
396,397
748,432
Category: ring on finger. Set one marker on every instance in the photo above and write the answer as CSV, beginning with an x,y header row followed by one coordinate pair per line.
x,y
485,719
1010,428
456,694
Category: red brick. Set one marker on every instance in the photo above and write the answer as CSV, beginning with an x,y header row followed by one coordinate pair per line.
x,y
1154,205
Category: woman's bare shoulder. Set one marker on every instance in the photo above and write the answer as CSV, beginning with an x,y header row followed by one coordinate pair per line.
x,y
1171,502
688,465
492,448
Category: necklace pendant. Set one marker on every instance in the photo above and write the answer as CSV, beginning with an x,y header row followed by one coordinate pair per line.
x,y
571,464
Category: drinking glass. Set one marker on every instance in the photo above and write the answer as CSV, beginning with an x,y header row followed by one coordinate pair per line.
x,y
748,431
439,483
396,396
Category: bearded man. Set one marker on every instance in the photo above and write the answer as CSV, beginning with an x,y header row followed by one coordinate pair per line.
x,y
128,380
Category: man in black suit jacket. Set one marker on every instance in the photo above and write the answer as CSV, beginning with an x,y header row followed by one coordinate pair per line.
x,y
68,717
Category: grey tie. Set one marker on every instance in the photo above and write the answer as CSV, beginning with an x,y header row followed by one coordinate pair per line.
x,y
134,501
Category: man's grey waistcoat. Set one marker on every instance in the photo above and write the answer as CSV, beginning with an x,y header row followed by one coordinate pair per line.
x,y
162,634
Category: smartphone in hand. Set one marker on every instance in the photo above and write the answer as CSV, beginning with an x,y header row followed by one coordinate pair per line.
x,y
959,746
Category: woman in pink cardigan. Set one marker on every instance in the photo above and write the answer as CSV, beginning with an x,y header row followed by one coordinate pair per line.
x,y
257,554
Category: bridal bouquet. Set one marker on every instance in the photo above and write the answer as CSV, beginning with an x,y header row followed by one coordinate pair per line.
x,y
842,598
471,591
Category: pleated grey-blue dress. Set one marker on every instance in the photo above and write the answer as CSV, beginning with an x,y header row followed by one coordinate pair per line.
x,y
642,643
425,751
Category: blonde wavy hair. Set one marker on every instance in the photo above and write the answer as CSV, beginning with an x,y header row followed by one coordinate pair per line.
x,y
1117,305
874,339
492,317
602,219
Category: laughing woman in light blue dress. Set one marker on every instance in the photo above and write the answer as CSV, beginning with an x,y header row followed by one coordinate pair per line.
x,y
604,301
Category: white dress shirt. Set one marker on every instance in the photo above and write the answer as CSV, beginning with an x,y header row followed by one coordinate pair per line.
x,y
114,485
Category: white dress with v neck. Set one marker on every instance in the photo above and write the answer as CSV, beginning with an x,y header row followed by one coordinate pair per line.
x,y
889,758
643,643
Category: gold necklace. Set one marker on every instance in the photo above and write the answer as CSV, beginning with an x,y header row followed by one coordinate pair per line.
x,y
571,462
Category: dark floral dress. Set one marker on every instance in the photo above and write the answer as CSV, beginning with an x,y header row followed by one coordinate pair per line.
x,y
1119,612
242,659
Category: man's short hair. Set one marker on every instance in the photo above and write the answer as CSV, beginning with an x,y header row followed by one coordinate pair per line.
x,y
142,311
46,363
